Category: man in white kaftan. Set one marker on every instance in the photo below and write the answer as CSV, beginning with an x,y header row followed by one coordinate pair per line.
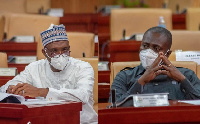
x,y
74,82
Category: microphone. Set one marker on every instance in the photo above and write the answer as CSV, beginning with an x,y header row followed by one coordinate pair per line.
x,y
177,8
113,98
124,34
83,54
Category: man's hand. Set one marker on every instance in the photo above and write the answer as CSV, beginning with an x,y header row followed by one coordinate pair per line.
x,y
171,71
12,89
25,89
155,69
152,71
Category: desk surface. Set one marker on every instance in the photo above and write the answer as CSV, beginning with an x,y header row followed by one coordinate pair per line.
x,y
40,114
174,113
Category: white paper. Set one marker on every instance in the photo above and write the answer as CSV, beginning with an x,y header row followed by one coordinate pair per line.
x,y
194,102
57,12
4,95
40,102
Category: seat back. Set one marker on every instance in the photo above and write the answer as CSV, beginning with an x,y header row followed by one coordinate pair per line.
x,y
198,71
193,19
29,24
3,62
2,25
35,6
94,63
185,40
81,42
136,20
117,66
14,6
39,50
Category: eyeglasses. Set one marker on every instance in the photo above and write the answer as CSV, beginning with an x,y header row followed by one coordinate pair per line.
x,y
56,54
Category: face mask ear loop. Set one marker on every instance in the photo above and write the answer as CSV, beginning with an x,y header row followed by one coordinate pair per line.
x,y
47,54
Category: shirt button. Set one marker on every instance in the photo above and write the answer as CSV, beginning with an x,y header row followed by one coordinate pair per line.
x,y
183,90
156,84
50,99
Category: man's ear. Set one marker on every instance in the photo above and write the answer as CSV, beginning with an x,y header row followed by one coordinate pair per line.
x,y
43,52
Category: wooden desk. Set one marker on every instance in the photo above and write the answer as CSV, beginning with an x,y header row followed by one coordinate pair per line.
x,y
5,79
103,86
18,49
20,67
25,49
80,22
68,113
175,113
124,51
179,21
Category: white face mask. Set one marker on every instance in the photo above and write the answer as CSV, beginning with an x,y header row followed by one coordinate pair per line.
x,y
59,62
147,57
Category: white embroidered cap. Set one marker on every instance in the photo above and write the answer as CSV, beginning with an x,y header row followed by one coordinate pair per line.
x,y
53,33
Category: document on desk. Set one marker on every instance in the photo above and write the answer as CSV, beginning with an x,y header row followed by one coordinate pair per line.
x,y
194,102
11,98
41,102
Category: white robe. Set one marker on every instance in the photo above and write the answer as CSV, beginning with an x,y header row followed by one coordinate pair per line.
x,y
74,83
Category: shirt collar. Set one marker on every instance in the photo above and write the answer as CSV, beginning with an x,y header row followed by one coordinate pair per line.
x,y
141,70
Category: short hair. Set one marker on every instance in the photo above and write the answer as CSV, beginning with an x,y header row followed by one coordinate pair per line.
x,y
162,31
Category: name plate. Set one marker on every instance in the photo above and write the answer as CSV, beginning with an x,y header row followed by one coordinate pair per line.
x,y
188,56
25,59
155,99
24,39
103,66
138,37
8,71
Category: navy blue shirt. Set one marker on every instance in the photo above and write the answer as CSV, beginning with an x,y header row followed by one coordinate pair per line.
x,y
126,83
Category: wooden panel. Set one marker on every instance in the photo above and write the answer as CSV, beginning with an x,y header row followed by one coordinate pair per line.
x,y
39,114
80,22
18,49
103,86
20,67
104,76
106,2
124,51
75,6
103,92
179,21
5,79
